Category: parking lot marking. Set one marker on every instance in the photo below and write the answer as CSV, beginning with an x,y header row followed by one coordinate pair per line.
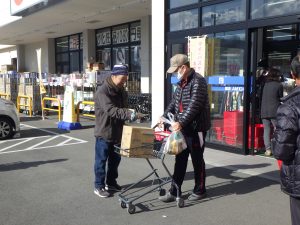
x,y
38,144
13,140
64,142
69,141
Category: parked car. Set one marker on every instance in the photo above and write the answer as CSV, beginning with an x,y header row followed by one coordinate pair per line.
x,y
9,120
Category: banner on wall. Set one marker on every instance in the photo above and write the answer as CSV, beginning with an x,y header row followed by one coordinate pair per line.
x,y
39,56
197,53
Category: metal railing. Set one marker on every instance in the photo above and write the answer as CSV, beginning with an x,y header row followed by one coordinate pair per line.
x,y
50,109
27,103
84,114
6,96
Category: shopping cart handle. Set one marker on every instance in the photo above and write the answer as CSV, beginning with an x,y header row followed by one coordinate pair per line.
x,y
155,126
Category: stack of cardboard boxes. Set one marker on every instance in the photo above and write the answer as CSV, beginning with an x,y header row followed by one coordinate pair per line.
x,y
137,142
6,68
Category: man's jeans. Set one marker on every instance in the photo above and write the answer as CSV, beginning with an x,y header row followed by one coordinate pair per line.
x,y
267,132
104,152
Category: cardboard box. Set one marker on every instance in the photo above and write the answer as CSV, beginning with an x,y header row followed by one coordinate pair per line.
x,y
137,142
5,68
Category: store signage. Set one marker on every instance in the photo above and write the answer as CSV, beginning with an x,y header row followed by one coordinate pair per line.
x,y
197,50
74,42
103,38
17,7
120,36
135,33
226,80
229,88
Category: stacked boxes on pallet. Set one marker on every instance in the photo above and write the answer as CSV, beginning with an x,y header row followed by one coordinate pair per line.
x,y
233,127
258,136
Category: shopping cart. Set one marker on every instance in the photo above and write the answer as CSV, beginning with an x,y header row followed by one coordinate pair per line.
x,y
126,198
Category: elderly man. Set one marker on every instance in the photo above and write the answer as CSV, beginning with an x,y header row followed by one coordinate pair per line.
x,y
190,106
111,113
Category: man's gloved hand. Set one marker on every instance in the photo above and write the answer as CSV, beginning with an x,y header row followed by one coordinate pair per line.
x,y
133,116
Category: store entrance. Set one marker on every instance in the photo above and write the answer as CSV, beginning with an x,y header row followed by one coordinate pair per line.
x,y
273,46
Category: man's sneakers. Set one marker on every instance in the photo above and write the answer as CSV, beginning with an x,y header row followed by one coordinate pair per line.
x,y
167,198
114,187
195,197
101,192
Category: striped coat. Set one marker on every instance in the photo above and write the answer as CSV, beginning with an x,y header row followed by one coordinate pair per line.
x,y
195,116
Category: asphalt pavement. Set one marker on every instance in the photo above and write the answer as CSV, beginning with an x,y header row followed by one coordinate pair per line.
x,y
46,178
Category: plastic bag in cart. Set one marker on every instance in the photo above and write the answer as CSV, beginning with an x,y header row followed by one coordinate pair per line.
x,y
175,143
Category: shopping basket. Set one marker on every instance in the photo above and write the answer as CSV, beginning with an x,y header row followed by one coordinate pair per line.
x,y
127,199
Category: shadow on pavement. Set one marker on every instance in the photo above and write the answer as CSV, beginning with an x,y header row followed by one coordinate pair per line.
x,y
232,183
27,133
27,118
26,165
87,126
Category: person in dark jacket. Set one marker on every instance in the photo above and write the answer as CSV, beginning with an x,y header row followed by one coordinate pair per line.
x,y
272,92
286,144
111,113
190,107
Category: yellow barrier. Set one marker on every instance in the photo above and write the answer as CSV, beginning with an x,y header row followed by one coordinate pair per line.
x,y
84,103
29,105
6,96
49,109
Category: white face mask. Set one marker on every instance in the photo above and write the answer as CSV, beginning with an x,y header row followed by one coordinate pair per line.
x,y
179,75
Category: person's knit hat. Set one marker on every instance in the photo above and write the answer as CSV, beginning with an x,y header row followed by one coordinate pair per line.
x,y
177,61
120,70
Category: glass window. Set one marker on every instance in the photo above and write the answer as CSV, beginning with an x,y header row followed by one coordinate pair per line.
x,y
135,32
69,54
74,42
62,44
120,34
103,37
228,12
120,44
64,57
178,3
178,49
184,20
120,55
267,8
74,62
136,58
225,76
104,56
281,33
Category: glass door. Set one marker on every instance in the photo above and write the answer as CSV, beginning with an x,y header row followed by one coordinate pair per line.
x,y
273,46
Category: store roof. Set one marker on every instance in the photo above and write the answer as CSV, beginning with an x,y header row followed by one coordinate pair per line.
x,y
72,16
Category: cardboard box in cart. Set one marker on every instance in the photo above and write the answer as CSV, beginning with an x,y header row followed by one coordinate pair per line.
x,y
137,142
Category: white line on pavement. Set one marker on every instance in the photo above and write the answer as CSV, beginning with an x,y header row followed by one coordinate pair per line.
x,y
20,139
36,146
64,142
43,142
19,143
25,150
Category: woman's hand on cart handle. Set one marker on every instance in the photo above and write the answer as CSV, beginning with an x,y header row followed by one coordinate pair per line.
x,y
176,126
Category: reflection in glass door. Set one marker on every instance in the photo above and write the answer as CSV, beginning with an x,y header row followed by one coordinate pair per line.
x,y
225,78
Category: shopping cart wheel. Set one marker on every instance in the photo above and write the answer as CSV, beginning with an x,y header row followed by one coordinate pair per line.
x,y
162,192
180,202
131,209
123,205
